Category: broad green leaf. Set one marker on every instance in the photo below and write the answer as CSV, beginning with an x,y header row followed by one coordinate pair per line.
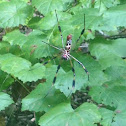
x,y
119,46
107,3
14,13
15,38
105,53
5,100
31,45
5,80
35,47
113,96
33,23
70,24
4,47
116,75
119,118
13,64
96,76
49,21
32,74
112,93
107,116
46,6
21,68
36,100
85,115
113,18
110,118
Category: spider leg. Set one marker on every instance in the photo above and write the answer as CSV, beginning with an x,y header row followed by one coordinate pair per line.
x,y
80,64
54,57
83,30
73,70
54,80
49,60
59,29
52,46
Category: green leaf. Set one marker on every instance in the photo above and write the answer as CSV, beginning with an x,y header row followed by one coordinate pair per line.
x,y
32,74
49,21
13,64
85,115
113,96
105,53
116,75
46,6
96,76
112,92
110,118
5,80
15,38
36,100
31,45
70,24
5,100
107,116
111,20
107,3
35,47
14,13
119,46
21,68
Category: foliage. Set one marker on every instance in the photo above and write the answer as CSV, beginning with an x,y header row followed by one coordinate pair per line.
x,y
22,51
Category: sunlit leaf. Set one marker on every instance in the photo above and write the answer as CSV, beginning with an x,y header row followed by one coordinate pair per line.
x,y
105,53
36,100
21,68
46,6
15,38
110,118
85,115
5,100
14,13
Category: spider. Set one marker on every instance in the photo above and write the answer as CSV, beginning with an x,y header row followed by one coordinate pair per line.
x,y
66,52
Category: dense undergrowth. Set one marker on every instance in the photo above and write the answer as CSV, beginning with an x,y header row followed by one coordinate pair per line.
x,y
24,80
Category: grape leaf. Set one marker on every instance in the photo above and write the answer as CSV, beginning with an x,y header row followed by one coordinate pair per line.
x,y
112,92
21,68
14,13
73,25
119,46
107,3
105,53
85,115
107,116
35,47
37,96
5,100
5,80
32,74
15,38
96,76
113,96
50,20
46,6
116,75
110,118
13,64
111,20
31,45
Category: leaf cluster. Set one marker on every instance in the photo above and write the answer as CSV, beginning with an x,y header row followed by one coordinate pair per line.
x,y
26,24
